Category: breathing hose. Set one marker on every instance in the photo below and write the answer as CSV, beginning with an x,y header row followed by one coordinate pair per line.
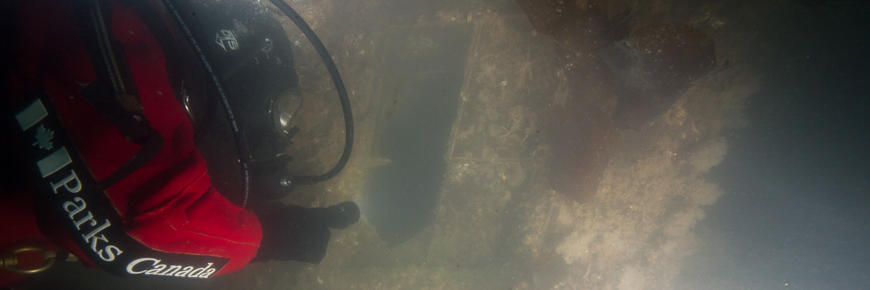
x,y
238,135
342,95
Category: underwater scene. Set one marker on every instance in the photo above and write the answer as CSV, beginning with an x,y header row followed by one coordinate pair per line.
x,y
572,144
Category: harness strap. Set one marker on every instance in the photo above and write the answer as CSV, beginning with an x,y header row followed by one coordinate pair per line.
x,y
108,59
66,189
139,132
111,66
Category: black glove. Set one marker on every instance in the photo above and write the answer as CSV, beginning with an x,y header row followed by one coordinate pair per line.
x,y
301,234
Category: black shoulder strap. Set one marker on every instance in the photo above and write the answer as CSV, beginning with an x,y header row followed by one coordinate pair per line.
x,y
135,130
65,188
94,18
111,66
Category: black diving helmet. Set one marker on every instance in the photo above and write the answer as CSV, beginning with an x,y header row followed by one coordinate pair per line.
x,y
240,89
251,56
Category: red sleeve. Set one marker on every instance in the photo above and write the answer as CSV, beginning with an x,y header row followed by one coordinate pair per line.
x,y
169,204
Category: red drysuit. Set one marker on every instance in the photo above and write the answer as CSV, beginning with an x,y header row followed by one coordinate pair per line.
x,y
168,204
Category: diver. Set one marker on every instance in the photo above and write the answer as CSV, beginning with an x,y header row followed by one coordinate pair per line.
x,y
107,115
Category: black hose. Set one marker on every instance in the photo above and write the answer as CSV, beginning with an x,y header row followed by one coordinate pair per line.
x,y
342,95
238,135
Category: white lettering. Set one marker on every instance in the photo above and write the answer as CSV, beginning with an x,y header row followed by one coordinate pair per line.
x,y
90,217
172,269
77,208
111,251
199,271
207,273
95,232
136,262
158,269
184,271
54,162
94,242
65,183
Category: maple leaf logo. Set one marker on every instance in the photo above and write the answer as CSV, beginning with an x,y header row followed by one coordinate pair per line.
x,y
43,138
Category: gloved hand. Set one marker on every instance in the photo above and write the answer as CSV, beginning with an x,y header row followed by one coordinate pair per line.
x,y
301,234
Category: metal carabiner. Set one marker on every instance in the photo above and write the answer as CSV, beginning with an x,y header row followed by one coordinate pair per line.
x,y
10,262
